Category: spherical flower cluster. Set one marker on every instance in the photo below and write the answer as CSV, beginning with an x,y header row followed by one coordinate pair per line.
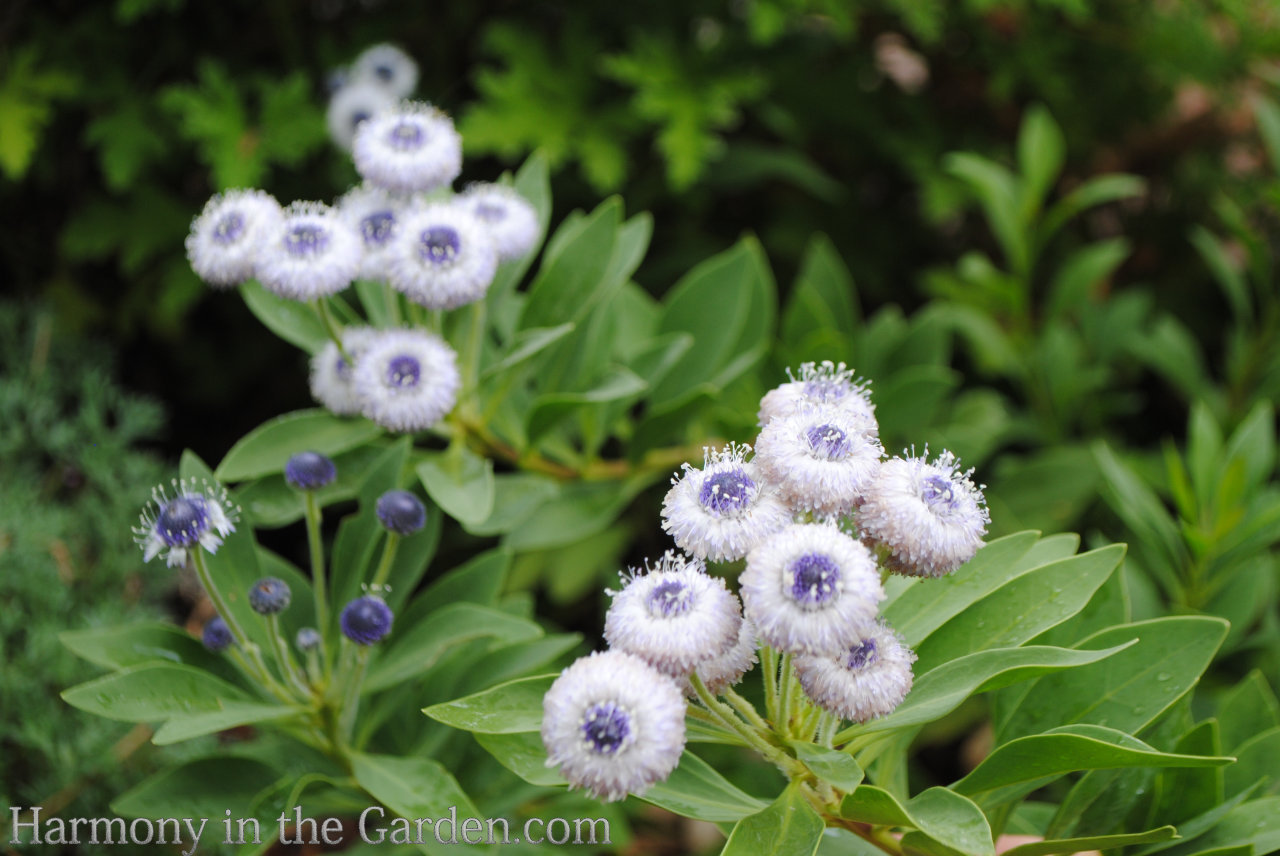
x,y
406,380
332,373
387,66
512,222
613,724
674,616
311,253
829,385
194,516
442,258
366,620
216,635
401,512
309,471
721,511
377,80
928,517
353,104
375,215
269,596
228,234
821,458
868,679
811,589
411,148
721,672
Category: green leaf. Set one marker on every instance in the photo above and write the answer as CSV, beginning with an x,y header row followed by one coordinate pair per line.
x,y
527,344
943,689
271,503
1225,272
152,692
480,580
516,496
821,299
510,708
1071,286
1095,191
424,643
1041,150
418,787
922,609
788,827
998,191
1092,842
1255,823
460,482
617,384
1022,608
232,715
571,279
204,788
1043,757
1140,508
830,765
695,789
1130,689
942,815
266,449
291,320
1248,708
1256,759
581,510
122,646
522,754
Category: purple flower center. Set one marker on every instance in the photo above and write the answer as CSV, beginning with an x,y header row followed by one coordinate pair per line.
x,y
384,73
728,491
606,726
862,655
406,135
668,598
183,520
229,228
939,491
376,228
403,371
359,117
490,211
439,244
306,239
814,579
828,442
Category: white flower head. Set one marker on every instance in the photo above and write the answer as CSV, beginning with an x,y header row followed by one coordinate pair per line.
x,y
613,724
827,384
721,511
375,215
311,253
407,380
928,517
331,373
442,257
188,515
868,679
720,673
411,148
673,615
510,219
387,66
821,458
351,105
811,589
226,236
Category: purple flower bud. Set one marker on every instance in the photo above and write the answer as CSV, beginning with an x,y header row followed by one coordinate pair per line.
x,y
216,635
309,471
308,639
269,596
366,620
401,512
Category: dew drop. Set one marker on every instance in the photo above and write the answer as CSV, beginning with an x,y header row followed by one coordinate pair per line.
x,y
1163,676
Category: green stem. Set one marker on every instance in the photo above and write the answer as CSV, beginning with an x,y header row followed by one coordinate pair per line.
x,y
316,546
746,708
790,766
331,328
393,303
785,682
769,674
284,654
475,343
384,567
351,694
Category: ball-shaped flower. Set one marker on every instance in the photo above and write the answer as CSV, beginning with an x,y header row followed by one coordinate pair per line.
x,y
928,517
822,459
353,103
312,253
411,148
811,589
721,672
387,66
442,257
216,635
366,620
332,374
307,639
613,724
510,219
374,214
868,679
401,512
407,380
827,384
269,596
196,515
228,234
309,471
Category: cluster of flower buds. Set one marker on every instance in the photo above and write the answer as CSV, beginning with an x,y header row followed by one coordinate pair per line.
x,y
403,227
819,517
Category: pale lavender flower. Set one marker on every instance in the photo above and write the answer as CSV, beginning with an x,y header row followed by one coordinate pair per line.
x,y
312,253
828,384
412,148
387,66
227,235
866,680
332,374
442,257
929,518
353,104
811,589
721,511
720,673
407,380
510,219
673,615
613,724
821,458
374,215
